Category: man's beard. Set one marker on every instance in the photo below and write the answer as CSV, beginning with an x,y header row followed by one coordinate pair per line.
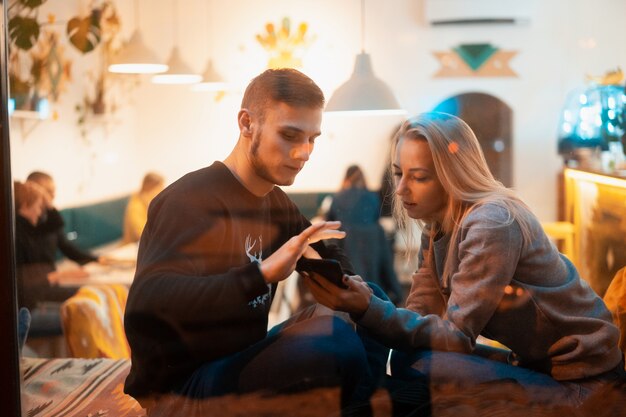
x,y
260,168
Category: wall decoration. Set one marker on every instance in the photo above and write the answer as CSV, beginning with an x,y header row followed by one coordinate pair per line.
x,y
39,73
284,47
38,69
104,91
611,77
475,60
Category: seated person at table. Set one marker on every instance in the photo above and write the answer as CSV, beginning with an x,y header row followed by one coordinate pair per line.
x,y
50,226
486,268
37,276
136,213
358,210
216,244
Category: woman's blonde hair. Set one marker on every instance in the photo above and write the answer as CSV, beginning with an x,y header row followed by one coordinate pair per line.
x,y
463,172
151,181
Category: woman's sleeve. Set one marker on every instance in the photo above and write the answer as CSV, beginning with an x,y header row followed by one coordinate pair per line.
x,y
488,255
489,251
425,296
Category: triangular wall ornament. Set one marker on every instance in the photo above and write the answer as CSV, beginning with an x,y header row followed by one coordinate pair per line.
x,y
475,60
475,55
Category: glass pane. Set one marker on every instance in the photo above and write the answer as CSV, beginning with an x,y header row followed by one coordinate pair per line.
x,y
91,146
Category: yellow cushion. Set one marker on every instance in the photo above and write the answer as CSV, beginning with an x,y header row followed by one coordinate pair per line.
x,y
93,322
615,299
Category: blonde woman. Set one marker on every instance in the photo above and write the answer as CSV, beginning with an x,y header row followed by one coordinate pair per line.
x,y
136,213
486,268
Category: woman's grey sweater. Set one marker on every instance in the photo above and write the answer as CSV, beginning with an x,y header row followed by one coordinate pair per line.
x,y
528,297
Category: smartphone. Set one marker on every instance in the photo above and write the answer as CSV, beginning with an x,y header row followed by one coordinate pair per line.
x,y
330,269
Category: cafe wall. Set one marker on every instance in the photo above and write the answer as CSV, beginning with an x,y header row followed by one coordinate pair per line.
x,y
172,129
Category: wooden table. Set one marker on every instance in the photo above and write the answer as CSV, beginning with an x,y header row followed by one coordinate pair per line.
x,y
119,270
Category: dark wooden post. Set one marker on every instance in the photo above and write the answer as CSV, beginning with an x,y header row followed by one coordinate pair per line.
x,y
9,358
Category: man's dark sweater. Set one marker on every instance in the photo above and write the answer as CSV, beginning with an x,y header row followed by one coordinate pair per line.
x,y
198,294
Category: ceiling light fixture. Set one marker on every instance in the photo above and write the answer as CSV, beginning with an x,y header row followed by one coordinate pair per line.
x,y
364,92
136,57
211,79
179,72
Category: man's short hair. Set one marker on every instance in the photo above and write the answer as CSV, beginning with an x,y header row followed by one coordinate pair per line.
x,y
38,176
284,85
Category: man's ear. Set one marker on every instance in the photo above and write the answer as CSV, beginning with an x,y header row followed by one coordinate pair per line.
x,y
245,122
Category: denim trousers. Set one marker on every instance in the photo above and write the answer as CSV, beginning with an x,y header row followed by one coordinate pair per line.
x,y
436,367
315,348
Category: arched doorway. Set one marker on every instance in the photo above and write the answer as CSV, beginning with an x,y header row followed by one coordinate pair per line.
x,y
491,120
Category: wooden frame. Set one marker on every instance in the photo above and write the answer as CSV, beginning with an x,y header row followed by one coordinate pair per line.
x,y
594,206
9,354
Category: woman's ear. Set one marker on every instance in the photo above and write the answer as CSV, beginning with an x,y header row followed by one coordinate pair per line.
x,y
245,122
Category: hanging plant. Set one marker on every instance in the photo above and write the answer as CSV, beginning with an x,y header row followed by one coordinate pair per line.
x,y
24,32
24,27
38,69
84,33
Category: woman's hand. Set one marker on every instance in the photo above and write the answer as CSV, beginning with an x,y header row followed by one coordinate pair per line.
x,y
283,262
354,300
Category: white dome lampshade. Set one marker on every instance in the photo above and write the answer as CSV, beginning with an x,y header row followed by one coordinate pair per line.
x,y
137,58
211,80
178,72
364,92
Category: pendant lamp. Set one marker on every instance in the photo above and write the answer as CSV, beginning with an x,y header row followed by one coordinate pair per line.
x,y
211,79
179,72
136,57
364,92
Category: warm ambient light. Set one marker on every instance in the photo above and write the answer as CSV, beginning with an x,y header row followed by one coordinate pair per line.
x,y
595,178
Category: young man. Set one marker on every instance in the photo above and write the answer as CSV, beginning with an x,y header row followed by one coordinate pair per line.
x,y
216,243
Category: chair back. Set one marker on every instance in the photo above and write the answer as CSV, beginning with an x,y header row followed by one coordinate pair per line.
x,y
93,322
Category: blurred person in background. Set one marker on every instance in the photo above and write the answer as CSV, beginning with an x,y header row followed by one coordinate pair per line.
x,y
36,272
358,210
136,213
50,226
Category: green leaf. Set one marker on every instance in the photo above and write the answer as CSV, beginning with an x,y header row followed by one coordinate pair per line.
x,y
23,31
84,33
